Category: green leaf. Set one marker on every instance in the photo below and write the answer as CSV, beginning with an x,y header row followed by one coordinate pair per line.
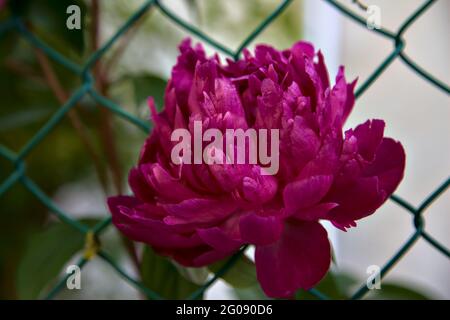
x,y
333,285
241,275
23,118
161,276
391,291
195,275
346,283
250,293
45,255
149,86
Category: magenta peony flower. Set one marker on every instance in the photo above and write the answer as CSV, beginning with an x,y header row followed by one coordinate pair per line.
x,y
198,213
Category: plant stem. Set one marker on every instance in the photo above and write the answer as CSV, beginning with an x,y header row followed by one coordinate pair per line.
x,y
106,131
61,95
122,46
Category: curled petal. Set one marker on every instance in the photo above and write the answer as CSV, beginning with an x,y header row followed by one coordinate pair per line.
x,y
139,186
198,211
183,71
219,240
364,188
258,188
164,185
368,136
136,224
306,192
356,200
317,212
388,165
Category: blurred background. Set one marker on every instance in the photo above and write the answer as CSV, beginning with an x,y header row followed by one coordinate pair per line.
x,y
87,156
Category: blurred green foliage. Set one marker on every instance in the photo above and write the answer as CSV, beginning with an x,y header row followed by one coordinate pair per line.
x,y
241,275
26,104
338,285
161,275
47,252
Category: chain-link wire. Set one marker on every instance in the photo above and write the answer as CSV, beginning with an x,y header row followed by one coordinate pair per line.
x,y
18,175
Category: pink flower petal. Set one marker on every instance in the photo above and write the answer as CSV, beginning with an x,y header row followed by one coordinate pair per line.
x,y
219,240
138,226
356,200
388,166
305,192
261,229
202,211
299,259
316,212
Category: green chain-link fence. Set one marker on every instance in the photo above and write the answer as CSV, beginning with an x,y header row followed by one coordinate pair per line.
x,y
15,24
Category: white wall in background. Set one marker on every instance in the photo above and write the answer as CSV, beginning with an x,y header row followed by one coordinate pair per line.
x,y
416,113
